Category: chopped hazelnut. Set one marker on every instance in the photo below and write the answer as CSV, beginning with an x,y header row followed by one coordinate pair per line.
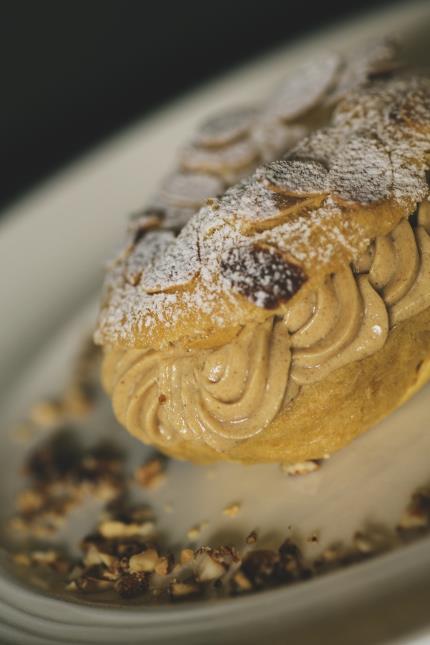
x,y
183,589
207,567
93,557
362,543
47,413
144,561
44,557
241,581
130,585
89,584
29,500
23,559
251,538
417,515
112,529
186,556
302,468
194,532
151,474
232,509
164,565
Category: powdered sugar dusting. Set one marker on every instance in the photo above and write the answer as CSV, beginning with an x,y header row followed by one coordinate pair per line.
x,y
297,176
305,86
190,189
361,170
176,264
150,247
225,161
376,150
226,127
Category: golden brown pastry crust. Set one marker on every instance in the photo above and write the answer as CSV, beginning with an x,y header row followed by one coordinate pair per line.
x,y
289,225
327,415
266,246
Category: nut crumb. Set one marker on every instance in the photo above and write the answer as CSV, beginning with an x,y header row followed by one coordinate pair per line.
x,y
186,556
151,474
112,529
251,538
164,565
23,559
207,566
194,532
183,589
302,468
242,582
46,414
144,561
232,510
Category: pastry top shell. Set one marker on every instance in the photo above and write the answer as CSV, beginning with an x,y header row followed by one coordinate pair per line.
x,y
278,233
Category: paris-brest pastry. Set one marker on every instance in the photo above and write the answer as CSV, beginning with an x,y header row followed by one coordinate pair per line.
x,y
292,313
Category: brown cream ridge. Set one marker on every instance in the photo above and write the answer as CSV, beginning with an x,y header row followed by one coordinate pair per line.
x,y
278,234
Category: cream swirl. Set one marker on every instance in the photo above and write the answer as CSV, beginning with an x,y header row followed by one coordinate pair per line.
x,y
399,267
219,396
224,395
354,326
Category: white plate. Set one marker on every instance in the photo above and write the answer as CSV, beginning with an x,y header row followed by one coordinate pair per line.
x,y
52,248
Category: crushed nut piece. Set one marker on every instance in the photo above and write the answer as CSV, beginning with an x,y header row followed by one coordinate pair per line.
x,y
194,532
130,585
417,515
144,561
302,468
251,538
241,581
23,559
180,590
151,474
313,538
47,414
186,556
112,529
207,566
164,565
232,509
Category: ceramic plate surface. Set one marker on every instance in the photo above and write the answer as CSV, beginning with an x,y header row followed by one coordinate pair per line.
x,y
52,249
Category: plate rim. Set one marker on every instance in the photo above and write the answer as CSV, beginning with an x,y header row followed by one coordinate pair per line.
x,y
18,216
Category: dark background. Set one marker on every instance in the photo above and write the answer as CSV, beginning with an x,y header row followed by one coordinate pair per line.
x,y
74,72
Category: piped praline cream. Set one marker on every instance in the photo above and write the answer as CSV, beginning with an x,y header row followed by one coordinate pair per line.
x,y
228,394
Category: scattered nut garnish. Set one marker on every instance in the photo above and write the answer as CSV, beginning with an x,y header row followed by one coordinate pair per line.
x,y
194,532
124,555
151,474
207,566
417,515
114,529
144,561
242,582
232,509
251,538
62,473
46,413
130,585
186,556
302,468
164,565
23,559
183,589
